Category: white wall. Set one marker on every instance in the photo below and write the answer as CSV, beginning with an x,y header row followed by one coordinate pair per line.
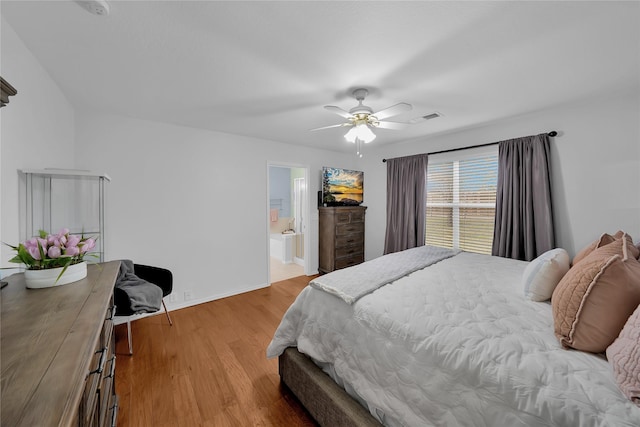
x,y
37,130
595,167
191,200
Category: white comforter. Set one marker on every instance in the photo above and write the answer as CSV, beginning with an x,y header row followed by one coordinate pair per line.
x,y
455,344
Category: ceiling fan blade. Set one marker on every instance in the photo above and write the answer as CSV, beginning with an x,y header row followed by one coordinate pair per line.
x,y
392,125
394,110
332,126
339,111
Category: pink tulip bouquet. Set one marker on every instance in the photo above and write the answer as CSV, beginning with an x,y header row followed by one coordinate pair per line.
x,y
53,250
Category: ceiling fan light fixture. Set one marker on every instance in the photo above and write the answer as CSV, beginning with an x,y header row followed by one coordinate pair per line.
x,y
360,131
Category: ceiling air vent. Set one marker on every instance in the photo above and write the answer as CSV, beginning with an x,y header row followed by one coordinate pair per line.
x,y
433,115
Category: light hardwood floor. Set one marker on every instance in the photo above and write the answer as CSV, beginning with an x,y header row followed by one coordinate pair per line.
x,y
209,368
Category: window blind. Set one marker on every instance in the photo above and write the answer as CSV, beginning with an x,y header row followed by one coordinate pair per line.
x,y
461,198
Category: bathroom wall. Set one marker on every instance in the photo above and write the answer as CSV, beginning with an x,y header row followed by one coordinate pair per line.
x,y
280,190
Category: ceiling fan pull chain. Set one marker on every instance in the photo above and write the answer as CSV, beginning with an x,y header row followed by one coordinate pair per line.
x,y
358,147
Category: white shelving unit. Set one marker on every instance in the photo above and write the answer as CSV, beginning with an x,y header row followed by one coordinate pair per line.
x,y
53,199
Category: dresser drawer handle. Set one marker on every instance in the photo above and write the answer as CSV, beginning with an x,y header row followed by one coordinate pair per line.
x,y
114,416
103,361
112,371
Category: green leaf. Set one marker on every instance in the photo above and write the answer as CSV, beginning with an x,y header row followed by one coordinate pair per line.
x,y
43,254
68,263
24,256
15,248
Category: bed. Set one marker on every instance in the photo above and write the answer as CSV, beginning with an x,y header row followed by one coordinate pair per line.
x,y
453,343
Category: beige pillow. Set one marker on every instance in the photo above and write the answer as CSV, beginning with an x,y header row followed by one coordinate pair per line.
x,y
542,274
624,357
604,239
623,242
595,298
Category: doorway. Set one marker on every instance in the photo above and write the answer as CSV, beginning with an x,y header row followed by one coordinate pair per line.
x,y
288,207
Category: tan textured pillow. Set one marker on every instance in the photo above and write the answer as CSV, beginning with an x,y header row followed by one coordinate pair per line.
x,y
595,298
604,239
622,241
624,357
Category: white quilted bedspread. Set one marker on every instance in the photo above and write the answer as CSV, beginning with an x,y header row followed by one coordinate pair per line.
x,y
351,284
455,344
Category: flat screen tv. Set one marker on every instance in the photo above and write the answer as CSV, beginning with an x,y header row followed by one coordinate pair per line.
x,y
342,187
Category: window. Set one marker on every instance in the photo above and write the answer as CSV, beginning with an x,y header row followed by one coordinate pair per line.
x,y
461,199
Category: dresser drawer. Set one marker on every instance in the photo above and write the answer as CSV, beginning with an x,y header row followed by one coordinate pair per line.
x,y
90,397
357,216
349,261
348,251
349,217
99,389
350,228
106,391
356,239
343,217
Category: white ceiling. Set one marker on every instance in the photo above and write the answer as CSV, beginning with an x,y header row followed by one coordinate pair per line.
x,y
265,69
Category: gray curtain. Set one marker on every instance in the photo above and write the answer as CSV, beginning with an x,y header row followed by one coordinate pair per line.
x,y
524,221
406,202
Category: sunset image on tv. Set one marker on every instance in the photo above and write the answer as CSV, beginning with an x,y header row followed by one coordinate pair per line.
x,y
342,186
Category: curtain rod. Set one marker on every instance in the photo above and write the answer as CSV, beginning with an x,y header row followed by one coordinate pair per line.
x,y
552,133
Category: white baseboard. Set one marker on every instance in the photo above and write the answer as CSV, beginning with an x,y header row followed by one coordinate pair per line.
x,y
191,303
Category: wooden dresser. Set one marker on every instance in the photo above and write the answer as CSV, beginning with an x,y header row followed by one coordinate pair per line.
x,y
57,354
341,237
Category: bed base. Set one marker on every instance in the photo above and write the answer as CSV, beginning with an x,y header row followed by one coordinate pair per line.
x,y
327,402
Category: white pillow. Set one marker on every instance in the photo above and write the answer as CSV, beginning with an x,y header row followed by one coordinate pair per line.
x,y
543,274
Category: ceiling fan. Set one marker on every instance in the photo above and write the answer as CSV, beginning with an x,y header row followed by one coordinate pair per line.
x,y
361,119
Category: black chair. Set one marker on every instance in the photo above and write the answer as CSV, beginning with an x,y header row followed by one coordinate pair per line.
x,y
161,277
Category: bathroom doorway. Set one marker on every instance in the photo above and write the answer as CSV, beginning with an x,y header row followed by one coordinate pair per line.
x,y
287,217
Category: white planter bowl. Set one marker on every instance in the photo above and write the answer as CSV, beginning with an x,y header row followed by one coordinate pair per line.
x,y
36,279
